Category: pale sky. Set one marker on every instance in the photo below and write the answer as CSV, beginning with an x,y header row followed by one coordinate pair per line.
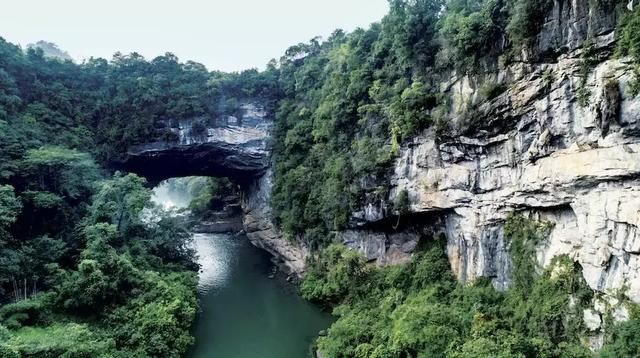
x,y
224,35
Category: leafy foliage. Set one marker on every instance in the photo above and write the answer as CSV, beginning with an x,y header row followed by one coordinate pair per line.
x,y
360,93
131,287
629,45
86,271
58,340
9,209
624,341
629,35
209,195
526,18
330,278
348,103
525,235
419,310
470,30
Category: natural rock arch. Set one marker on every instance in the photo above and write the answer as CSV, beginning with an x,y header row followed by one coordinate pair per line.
x,y
237,148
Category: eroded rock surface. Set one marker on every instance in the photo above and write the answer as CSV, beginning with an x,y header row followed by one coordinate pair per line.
x,y
234,147
261,230
535,150
554,146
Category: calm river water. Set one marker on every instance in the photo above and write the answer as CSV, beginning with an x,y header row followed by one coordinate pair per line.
x,y
244,313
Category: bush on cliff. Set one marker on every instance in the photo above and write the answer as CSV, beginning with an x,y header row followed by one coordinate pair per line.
x,y
419,310
629,44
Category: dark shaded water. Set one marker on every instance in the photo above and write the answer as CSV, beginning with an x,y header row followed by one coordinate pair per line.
x,y
245,314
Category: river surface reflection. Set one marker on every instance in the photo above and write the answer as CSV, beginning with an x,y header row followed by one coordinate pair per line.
x,y
244,313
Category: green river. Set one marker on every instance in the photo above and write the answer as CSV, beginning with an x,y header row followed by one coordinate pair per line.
x,y
244,312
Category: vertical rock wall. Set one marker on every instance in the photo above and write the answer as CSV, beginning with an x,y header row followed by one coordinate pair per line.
x,y
534,149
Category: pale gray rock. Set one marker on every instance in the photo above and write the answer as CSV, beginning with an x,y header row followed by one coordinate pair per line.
x,y
533,149
557,162
536,151
232,147
263,233
592,319
383,248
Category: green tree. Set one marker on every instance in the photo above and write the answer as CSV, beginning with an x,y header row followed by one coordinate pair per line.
x,y
624,341
470,30
120,201
9,210
61,171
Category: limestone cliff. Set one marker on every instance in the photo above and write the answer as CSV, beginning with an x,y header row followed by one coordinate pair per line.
x,y
228,146
537,148
263,233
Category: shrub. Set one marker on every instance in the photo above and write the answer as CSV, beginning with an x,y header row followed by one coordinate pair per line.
x,y
492,90
524,236
634,84
624,340
59,340
525,20
25,312
198,129
333,274
629,45
629,35
419,310
402,205
583,95
469,31
410,112
440,121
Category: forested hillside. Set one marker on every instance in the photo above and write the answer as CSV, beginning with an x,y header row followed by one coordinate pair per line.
x,y
83,274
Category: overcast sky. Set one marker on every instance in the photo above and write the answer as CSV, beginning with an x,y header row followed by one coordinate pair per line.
x,y
224,35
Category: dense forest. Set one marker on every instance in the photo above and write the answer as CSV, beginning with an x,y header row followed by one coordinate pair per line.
x,y
84,272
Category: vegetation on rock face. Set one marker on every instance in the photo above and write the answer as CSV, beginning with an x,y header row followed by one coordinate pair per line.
x,y
624,340
80,273
419,310
343,106
208,194
87,277
472,30
525,20
348,103
629,45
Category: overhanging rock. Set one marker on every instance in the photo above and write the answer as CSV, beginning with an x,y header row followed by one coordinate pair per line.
x,y
237,148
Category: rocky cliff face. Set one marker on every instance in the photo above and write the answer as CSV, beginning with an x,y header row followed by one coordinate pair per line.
x,y
538,148
229,146
237,147
261,230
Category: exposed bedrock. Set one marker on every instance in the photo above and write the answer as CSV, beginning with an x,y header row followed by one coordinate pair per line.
x,y
263,233
535,150
234,147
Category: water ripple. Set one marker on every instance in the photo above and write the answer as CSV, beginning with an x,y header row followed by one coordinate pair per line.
x,y
216,258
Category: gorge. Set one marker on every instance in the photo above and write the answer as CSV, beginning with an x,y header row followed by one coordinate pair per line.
x,y
246,305
461,179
